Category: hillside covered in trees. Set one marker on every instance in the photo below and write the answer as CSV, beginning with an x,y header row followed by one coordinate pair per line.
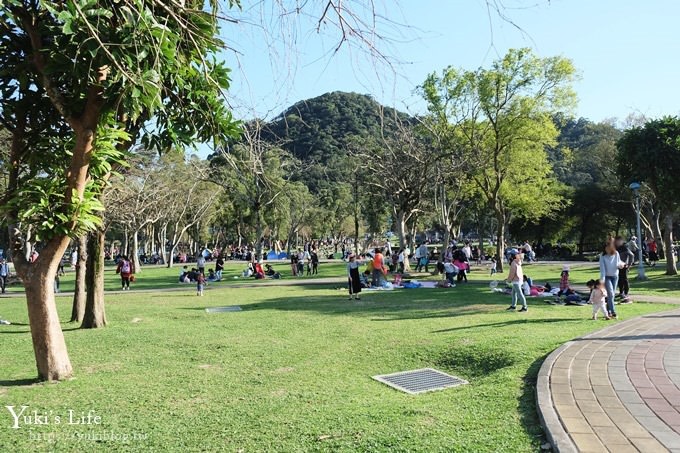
x,y
320,132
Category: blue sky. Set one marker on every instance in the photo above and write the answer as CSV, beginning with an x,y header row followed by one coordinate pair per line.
x,y
626,52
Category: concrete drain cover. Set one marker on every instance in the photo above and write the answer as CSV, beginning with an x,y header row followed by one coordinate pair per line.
x,y
222,309
420,381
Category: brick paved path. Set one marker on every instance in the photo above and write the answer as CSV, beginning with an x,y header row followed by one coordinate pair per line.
x,y
615,390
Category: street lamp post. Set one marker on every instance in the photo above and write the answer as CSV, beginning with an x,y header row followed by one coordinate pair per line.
x,y
635,187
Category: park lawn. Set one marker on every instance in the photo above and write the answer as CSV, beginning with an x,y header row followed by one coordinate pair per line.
x,y
657,284
292,371
160,277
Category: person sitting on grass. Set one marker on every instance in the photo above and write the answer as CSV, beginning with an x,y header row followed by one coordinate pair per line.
x,y
183,275
565,289
365,280
212,277
450,270
258,271
192,275
598,297
270,272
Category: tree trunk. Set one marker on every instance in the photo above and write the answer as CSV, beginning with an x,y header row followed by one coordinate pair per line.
x,y
134,253
356,234
49,346
124,245
500,242
171,255
258,234
668,238
401,228
80,294
656,233
95,315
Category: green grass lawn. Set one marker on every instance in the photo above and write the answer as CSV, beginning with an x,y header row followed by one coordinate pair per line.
x,y
160,277
292,371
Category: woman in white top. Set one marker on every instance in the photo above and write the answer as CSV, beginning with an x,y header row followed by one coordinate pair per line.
x,y
610,263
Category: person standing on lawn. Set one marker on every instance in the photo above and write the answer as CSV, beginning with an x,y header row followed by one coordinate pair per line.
x,y
516,278
315,262
4,274
610,264
378,268
407,258
200,263
219,267
125,270
353,277
627,257
652,251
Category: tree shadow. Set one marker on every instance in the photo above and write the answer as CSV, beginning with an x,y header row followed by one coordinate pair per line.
x,y
28,331
396,305
527,406
508,323
20,382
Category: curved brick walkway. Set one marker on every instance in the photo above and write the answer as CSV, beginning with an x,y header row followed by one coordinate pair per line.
x,y
615,390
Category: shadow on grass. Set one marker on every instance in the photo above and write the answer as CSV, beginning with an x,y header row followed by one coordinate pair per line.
x,y
19,382
28,331
508,323
475,360
397,305
528,411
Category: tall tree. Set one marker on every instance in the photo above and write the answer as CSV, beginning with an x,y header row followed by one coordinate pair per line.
x,y
502,118
74,74
399,166
255,172
650,154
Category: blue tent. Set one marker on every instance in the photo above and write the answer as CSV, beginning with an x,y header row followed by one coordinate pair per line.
x,y
283,256
272,255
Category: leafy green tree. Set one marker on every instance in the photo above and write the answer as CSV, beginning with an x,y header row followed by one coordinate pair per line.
x,y
584,160
502,119
76,75
256,173
650,154
399,166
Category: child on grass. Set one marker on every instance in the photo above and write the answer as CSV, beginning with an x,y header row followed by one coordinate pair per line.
x,y
493,265
200,284
598,297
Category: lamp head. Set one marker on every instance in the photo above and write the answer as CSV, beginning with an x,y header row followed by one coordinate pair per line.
x,y
635,186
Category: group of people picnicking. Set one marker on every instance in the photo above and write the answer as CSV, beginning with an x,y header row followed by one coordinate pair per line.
x,y
613,283
198,275
454,264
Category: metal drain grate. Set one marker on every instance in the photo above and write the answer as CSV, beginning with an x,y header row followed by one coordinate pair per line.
x,y
420,381
222,309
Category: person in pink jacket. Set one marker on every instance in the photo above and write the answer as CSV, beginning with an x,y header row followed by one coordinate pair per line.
x,y
515,278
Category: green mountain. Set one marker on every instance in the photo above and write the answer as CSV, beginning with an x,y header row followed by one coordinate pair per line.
x,y
317,131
